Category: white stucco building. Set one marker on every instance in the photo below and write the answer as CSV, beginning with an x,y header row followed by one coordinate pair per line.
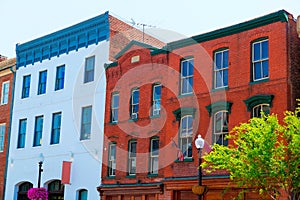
x,y
58,111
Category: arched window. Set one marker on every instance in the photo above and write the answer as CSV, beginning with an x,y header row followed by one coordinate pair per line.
x,y
23,188
258,103
56,190
82,194
256,111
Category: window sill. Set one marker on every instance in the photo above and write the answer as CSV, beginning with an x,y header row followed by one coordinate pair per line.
x,y
133,120
185,95
185,160
113,123
110,177
259,81
219,89
152,175
154,116
131,176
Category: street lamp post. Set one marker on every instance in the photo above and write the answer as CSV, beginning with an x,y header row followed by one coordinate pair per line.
x,y
199,143
40,170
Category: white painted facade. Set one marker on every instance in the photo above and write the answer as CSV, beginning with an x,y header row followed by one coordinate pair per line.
x,y
85,155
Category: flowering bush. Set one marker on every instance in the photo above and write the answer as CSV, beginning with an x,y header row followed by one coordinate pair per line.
x,y
37,194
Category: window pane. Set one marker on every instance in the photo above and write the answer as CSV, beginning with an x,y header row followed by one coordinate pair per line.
x,y
60,76
86,122
42,82
56,123
26,86
157,92
22,133
184,68
218,60
225,59
5,93
225,77
38,131
256,51
265,50
89,69
136,95
265,66
257,71
154,146
2,136
191,67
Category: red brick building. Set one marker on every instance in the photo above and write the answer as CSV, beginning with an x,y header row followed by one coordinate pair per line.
x,y
7,66
159,100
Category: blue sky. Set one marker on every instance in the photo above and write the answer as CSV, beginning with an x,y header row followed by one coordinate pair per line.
x,y
24,20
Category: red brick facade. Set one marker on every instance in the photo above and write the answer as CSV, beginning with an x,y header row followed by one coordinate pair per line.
x,y
140,66
6,75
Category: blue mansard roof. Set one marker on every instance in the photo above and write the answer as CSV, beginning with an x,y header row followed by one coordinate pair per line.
x,y
69,39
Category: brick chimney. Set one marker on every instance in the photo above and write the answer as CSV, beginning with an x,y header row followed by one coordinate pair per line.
x,y
2,58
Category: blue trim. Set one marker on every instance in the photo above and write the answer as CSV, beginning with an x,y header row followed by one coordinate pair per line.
x,y
80,35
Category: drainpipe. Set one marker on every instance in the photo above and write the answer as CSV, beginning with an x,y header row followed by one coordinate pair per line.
x,y
13,70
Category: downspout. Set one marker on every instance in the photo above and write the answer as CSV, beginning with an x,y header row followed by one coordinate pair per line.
x,y
13,70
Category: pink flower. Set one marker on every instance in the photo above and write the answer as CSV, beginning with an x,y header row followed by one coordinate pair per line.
x,y
37,194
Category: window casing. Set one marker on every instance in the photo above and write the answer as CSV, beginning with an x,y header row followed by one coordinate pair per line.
x,y
132,157
56,190
56,125
156,100
22,133
86,123
83,194
134,104
5,93
60,77
221,69
256,110
26,86
89,69
115,107
112,159
260,60
42,82
2,137
220,128
154,150
187,76
38,131
23,189
185,136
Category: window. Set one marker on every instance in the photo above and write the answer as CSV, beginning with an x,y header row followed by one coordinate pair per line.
x,y
56,124
22,133
115,107
112,159
260,60
23,189
185,137
134,107
56,190
4,93
221,69
132,158
26,86
2,137
86,123
60,77
38,131
156,100
42,82
82,194
220,128
89,69
256,111
154,148
187,74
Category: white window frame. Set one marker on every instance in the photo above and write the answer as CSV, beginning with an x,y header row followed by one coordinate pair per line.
x,y
259,61
86,77
261,106
222,133
183,78
153,158
2,136
155,110
132,158
38,131
186,136
222,69
134,115
4,93
114,109
86,136
112,160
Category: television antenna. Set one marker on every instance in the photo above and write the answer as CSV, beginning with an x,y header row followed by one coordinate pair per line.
x,y
143,25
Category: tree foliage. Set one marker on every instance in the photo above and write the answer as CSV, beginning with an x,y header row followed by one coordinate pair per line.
x,y
264,156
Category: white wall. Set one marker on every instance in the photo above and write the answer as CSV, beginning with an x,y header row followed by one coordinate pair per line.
x,y
86,162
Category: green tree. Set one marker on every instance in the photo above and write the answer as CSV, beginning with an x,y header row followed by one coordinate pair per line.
x,y
264,157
